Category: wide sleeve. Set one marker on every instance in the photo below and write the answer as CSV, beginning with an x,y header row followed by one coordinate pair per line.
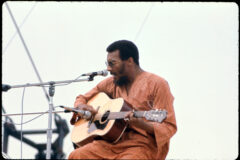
x,y
105,86
163,99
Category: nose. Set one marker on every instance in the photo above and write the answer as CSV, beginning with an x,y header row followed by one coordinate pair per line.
x,y
109,68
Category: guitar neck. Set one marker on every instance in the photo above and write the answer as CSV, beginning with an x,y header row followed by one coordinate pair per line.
x,y
122,115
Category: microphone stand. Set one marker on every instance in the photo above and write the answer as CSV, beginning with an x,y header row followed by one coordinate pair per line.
x,y
51,92
49,130
25,114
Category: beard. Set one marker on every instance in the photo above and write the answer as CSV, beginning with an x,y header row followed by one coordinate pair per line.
x,y
122,80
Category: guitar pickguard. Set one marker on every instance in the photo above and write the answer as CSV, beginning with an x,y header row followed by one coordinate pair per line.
x,y
97,125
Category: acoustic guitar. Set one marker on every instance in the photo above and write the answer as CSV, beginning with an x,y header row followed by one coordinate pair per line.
x,y
109,123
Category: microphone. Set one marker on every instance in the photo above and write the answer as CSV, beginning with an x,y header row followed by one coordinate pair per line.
x,y
101,73
85,114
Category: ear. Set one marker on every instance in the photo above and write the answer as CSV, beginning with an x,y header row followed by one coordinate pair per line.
x,y
130,60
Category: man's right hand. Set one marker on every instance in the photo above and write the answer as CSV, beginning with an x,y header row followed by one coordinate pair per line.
x,y
87,107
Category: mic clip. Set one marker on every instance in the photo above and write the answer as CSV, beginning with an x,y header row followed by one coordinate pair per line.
x,y
67,111
91,77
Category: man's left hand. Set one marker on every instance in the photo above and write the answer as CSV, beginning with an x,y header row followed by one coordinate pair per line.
x,y
139,122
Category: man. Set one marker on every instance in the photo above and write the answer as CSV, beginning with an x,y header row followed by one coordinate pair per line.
x,y
144,91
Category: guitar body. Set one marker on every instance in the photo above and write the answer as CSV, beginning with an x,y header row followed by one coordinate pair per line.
x,y
111,130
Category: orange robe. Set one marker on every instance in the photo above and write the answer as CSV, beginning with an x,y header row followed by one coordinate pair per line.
x,y
148,91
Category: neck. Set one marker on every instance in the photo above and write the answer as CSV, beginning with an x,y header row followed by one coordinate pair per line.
x,y
134,73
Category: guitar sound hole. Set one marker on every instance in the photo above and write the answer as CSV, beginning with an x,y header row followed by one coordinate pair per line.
x,y
105,116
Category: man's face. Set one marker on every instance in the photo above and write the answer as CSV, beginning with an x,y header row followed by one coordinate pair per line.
x,y
117,68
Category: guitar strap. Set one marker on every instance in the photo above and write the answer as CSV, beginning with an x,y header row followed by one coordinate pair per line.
x,y
121,134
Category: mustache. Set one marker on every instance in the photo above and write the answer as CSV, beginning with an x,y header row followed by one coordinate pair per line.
x,y
113,73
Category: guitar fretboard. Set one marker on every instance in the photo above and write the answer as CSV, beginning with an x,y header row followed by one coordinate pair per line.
x,y
121,115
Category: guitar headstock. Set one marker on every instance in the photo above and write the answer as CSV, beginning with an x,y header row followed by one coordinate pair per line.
x,y
155,115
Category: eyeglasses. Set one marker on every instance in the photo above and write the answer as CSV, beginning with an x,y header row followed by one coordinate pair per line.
x,y
111,63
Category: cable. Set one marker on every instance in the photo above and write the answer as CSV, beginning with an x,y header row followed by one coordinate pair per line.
x,y
67,83
30,119
25,18
144,21
22,118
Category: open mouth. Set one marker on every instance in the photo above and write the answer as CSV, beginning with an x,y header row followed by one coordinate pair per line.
x,y
113,74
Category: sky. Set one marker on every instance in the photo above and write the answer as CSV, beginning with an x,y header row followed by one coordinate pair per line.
x,y
193,45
